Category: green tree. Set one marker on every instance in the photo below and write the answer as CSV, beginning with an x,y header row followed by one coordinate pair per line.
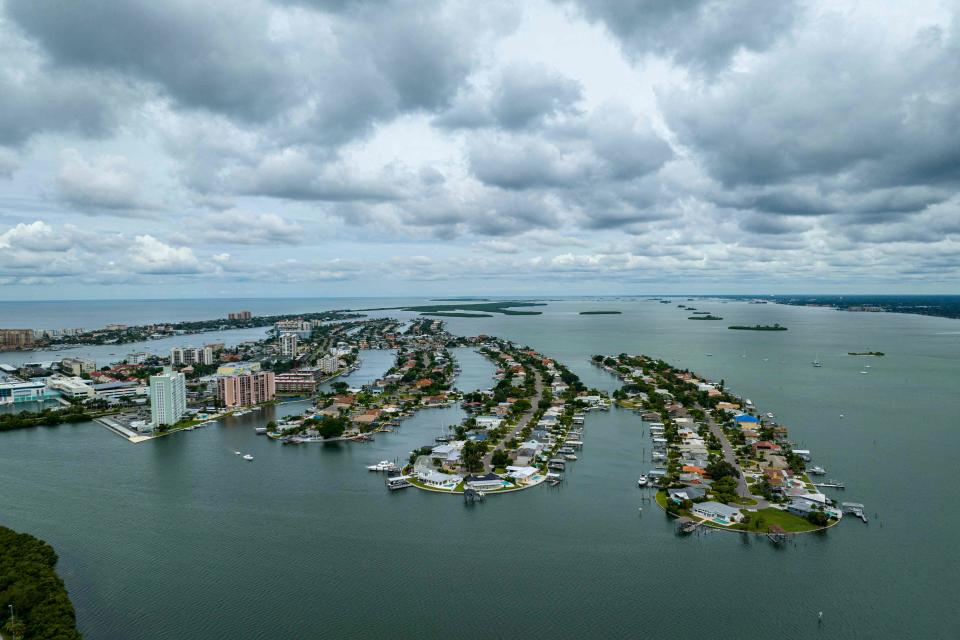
x,y
500,458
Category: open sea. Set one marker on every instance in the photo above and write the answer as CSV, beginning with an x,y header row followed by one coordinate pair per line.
x,y
179,538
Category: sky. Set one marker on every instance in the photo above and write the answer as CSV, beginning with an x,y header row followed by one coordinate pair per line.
x,y
234,148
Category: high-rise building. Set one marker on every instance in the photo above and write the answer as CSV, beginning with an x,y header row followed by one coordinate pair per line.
x,y
168,397
288,345
328,363
186,356
247,389
12,339
138,357
239,315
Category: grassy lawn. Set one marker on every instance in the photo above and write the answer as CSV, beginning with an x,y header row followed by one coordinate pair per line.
x,y
789,522
662,499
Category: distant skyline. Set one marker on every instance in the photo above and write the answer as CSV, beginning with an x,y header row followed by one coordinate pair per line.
x,y
341,148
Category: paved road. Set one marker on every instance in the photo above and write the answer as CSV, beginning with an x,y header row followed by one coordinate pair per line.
x,y
730,456
534,402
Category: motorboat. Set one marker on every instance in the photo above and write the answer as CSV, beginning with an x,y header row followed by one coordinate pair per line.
x,y
248,458
817,471
236,453
642,481
570,456
382,466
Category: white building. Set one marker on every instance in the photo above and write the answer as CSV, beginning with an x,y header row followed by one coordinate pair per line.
x,y
328,363
288,345
70,387
137,358
717,512
13,389
186,356
168,397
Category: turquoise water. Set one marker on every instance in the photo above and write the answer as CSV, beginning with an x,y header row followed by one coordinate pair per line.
x,y
178,538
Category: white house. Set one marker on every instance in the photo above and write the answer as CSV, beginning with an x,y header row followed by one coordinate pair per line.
x,y
488,422
717,512
439,480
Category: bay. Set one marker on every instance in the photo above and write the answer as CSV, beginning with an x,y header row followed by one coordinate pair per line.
x,y
178,537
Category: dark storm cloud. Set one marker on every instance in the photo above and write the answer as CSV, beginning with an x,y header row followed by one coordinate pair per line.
x,y
700,34
879,118
38,102
216,56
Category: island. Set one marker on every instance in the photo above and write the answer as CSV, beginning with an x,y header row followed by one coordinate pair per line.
x,y
505,307
717,461
865,353
706,317
33,601
456,314
600,313
758,327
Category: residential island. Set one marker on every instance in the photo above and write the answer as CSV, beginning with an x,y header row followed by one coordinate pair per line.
x,y
719,462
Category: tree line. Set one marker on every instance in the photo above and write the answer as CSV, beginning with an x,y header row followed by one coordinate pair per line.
x,y
42,610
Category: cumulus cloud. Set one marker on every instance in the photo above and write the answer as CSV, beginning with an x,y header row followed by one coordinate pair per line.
x,y
151,256
656,140
700,34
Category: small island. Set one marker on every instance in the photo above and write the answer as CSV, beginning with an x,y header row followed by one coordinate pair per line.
x,y
758,327
600,313
456,314
866,353
706,317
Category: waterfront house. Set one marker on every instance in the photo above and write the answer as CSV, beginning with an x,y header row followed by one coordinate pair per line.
x,y
439,480
522,473
717,512
486,482
686,493
746,421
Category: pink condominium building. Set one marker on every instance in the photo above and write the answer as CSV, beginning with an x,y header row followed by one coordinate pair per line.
x,y
246,389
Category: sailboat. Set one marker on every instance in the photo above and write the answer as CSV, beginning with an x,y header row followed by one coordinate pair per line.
x,y
816,362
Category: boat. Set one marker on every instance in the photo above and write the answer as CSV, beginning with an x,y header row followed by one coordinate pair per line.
x,y
816,362
818,471
864,372
260,431
570,456
383,465
770,415
236,453
642,481
248,458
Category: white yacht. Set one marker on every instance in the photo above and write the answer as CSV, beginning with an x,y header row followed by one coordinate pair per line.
x,y
817,471
236,453
642,481
248,457
383,465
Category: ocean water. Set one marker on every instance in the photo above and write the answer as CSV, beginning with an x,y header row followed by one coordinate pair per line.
x,y
179,538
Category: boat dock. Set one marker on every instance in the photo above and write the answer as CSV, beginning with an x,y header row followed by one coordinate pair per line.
x,y
830,484
395,483
854,508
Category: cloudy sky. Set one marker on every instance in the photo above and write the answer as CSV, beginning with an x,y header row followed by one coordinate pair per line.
x,y
339,147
